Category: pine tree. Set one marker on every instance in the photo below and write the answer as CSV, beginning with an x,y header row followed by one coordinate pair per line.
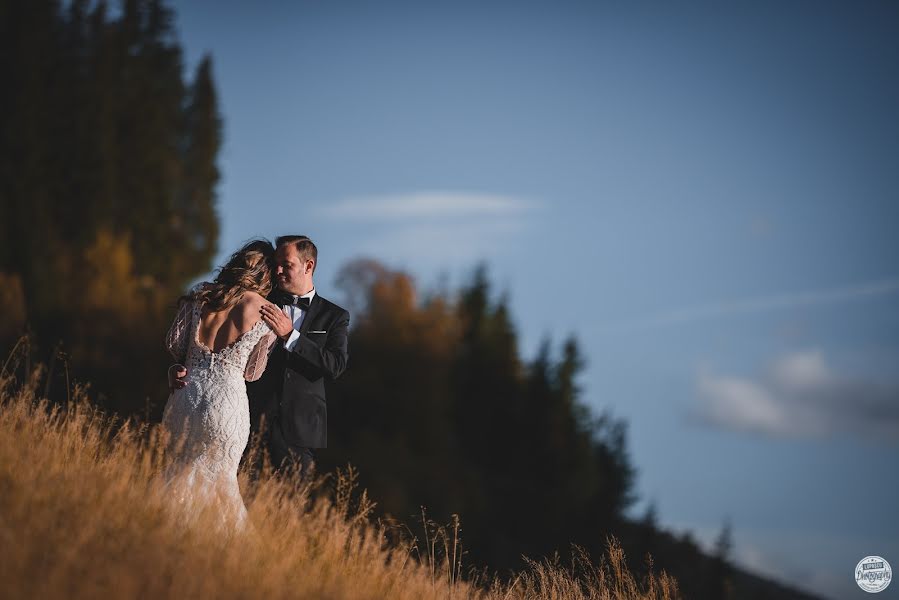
x,y
438,409
195,224
720,572
102,145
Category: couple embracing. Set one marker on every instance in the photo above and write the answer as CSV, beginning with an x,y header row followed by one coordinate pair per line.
x,y
254,348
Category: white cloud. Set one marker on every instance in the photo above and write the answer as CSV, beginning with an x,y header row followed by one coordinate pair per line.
x,y
802,370
435,228
740,404
427,205
797,396
442,243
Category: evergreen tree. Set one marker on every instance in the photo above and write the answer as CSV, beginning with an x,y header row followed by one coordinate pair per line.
x,y
391,409
107,183
195,224
720,571
438,409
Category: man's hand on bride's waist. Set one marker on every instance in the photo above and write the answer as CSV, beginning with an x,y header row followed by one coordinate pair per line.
x,y
177,373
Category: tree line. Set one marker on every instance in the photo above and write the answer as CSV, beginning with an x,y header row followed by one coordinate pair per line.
x,y
107,180
438,409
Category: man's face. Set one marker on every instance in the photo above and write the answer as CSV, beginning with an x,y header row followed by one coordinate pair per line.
x,y
294,273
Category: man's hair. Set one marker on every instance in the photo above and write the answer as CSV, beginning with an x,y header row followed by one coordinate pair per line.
x,y
305,247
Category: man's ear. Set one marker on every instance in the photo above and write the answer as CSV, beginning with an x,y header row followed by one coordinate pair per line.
x,y
310,266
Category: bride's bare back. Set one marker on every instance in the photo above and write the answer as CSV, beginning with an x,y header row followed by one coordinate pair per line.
x,y
220,329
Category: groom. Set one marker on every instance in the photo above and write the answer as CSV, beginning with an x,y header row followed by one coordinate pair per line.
x,y
289,399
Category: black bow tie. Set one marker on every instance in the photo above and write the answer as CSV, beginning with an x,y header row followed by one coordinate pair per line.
x,y
288,299
302,302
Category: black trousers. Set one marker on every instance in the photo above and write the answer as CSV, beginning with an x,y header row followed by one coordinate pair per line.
x,y
287,457
300,460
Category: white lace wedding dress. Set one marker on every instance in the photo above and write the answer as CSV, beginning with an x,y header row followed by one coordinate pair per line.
x,y
209,419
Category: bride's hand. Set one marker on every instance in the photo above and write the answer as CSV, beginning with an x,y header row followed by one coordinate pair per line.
x,y
275,318
177,373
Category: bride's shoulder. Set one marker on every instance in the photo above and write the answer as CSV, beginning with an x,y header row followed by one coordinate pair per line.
x,y
247,311
253,299
249,305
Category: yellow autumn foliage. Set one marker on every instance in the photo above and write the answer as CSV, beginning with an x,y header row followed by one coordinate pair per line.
x,y
107,272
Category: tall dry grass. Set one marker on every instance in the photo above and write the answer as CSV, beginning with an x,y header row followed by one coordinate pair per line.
x,y
82,515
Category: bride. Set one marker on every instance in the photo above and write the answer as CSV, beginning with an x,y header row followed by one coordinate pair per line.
x,y
222,341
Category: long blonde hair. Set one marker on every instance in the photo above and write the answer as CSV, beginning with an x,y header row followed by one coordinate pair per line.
x,y
250,269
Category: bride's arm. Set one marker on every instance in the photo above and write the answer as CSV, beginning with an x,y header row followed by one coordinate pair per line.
x,y
178,337
259,356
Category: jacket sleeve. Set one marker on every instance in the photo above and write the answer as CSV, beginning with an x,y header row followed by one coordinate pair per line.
x,y
315,359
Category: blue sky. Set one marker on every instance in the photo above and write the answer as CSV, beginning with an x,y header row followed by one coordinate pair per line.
x,y
705,194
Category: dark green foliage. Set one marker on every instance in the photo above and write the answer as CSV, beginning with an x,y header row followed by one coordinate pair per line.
x,y
107,183
438,409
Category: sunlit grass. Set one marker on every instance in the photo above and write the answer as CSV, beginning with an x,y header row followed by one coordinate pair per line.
x,y
83,515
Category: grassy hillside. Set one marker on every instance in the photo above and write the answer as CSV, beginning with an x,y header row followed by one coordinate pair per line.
x,y
83,515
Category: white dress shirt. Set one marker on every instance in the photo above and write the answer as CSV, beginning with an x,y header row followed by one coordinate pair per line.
x,y
296,315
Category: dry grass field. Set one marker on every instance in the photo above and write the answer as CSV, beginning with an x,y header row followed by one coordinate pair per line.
x,y
82,515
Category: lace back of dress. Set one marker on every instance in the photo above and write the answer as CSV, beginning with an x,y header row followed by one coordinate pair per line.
x,y
231,359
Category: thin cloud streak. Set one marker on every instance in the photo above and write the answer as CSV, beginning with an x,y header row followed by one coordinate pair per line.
x,y
761,304
426,205
441,244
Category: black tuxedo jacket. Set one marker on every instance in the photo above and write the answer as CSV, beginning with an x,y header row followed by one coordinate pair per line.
x,y
290,395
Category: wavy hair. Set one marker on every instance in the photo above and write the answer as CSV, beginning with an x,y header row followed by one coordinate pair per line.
x,y
249,269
